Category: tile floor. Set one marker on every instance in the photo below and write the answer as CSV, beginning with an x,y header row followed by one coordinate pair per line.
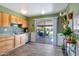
x,y
44,39
36,49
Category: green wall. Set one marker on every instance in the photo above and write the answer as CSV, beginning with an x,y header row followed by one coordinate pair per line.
x,y
59,25
73,7
45,16
31,25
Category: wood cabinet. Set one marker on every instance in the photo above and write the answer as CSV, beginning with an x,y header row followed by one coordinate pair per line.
x,y
23,38
19,40
13,19
24,23
6,44
0,19
5,20
19,20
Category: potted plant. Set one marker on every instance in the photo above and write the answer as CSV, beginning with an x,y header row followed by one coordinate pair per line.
x,y
70,38
68,33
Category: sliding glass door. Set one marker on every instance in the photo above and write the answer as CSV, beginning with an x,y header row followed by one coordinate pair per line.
x,y
44,32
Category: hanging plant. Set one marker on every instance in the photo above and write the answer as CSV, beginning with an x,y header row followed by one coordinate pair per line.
x,y
65,17
67,31
70,15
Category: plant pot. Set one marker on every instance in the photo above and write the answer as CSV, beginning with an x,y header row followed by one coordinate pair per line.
x,y
71,41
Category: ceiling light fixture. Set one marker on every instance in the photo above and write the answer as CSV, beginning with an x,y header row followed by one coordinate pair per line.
x,y
23,11
43,12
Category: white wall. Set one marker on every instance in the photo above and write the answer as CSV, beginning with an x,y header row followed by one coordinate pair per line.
x,y
55,31
33,36
76,22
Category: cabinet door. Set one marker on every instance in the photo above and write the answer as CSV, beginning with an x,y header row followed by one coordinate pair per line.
x,y
21,21
22,40
13,19
26,37
17,41
6,46
0,19
18,20
23,37
5,20
25,23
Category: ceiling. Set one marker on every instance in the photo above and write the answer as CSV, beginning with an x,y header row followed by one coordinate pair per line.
x,y
32,9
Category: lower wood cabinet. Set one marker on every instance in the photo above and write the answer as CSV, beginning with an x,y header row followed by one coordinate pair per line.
x,y
23,38
6,45
11,42
19,40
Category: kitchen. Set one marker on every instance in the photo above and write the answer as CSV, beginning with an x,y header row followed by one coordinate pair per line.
x,y
19,23
13,30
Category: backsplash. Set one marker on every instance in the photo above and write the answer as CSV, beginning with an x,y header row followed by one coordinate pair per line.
x,y
10,30
17,30
6,30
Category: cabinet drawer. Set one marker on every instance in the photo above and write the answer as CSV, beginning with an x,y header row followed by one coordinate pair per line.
x,y
6,38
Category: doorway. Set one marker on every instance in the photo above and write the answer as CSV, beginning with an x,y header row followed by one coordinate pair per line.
x,y
46,31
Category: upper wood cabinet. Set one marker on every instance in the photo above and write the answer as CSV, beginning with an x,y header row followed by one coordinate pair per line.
x,y
19,20
24,23
13,19
0,19
5,20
